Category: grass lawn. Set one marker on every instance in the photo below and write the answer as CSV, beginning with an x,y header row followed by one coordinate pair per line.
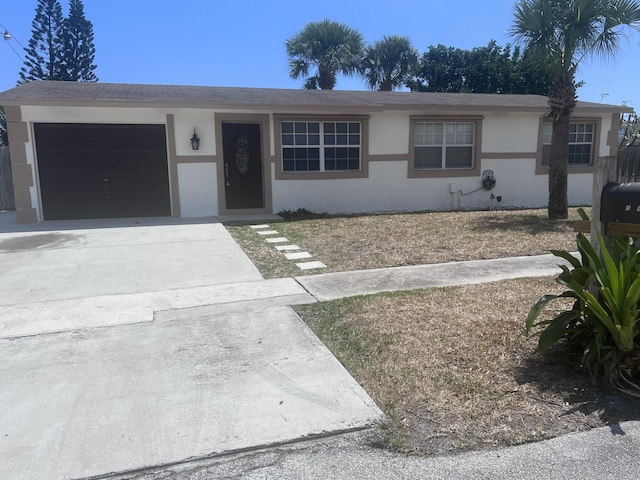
x,y
448,366
372,241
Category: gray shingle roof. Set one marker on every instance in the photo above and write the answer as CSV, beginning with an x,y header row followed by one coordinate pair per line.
x,y
73,93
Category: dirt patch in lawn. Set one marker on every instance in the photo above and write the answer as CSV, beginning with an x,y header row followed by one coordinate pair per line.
x,y
452,372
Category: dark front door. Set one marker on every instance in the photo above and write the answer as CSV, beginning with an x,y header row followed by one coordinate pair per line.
x,y
102,170
242,165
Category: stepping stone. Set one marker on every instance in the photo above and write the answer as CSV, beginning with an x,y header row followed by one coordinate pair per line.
x,y
280,248
256,227
297,255
277,240
310,265
267,232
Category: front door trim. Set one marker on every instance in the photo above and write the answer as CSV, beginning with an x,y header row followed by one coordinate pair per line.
x,y
263,120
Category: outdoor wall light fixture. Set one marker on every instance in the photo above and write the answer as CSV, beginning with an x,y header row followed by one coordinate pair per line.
x,y
195,141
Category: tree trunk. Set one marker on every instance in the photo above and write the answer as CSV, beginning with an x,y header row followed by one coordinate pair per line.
x,y
558,198
562,102
326,79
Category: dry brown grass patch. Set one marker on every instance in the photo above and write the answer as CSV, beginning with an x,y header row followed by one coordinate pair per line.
x,y
376,241
450,368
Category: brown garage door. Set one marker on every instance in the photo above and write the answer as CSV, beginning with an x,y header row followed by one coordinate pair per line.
x,y
102,170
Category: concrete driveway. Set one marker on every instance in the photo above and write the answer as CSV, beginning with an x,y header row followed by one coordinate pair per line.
x,y
127,344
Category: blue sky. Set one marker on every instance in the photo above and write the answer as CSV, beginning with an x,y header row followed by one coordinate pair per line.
x,y
227,43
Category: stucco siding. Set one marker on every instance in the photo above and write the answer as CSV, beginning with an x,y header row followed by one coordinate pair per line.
x,y
389,190
386,190
92,115
389,133
510,132
198,189
204,123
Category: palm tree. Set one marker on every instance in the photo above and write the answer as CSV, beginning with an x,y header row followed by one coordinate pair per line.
x,y
388,63
330,47
564,32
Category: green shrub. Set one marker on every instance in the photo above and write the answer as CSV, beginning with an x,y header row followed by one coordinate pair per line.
x,y
601,329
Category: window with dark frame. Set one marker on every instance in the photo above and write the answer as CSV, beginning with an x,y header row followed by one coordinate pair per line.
x,y
321,146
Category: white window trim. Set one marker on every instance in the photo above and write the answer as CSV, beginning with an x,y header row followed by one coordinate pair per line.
x,y
594,130
444,145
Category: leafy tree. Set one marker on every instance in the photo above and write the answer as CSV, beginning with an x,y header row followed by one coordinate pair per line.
x,y
563,33
44,53
388,63
630,130
490,69
330,47
440,69
79,50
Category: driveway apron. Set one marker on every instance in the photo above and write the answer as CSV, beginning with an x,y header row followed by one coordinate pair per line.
x,y
129,344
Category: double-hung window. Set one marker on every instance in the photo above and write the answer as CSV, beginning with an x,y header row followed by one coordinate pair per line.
x,y
444,145
581,137
321,146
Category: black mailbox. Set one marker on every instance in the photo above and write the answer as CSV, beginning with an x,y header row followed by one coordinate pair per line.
x,y
620,202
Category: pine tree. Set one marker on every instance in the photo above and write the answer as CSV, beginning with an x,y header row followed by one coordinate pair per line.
x,y
79,50
43,59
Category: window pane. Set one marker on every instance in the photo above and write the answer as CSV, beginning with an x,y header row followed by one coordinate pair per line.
x,y
341,127
287,127
341,139
342,152
314,140
301,153
300,159
288,153
429,133
301,127
546,155
354,127
341,158
580,154
313,127
329,139
287,139
329,127
420,134
427,157
301,140
460,133
459,157
547,129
